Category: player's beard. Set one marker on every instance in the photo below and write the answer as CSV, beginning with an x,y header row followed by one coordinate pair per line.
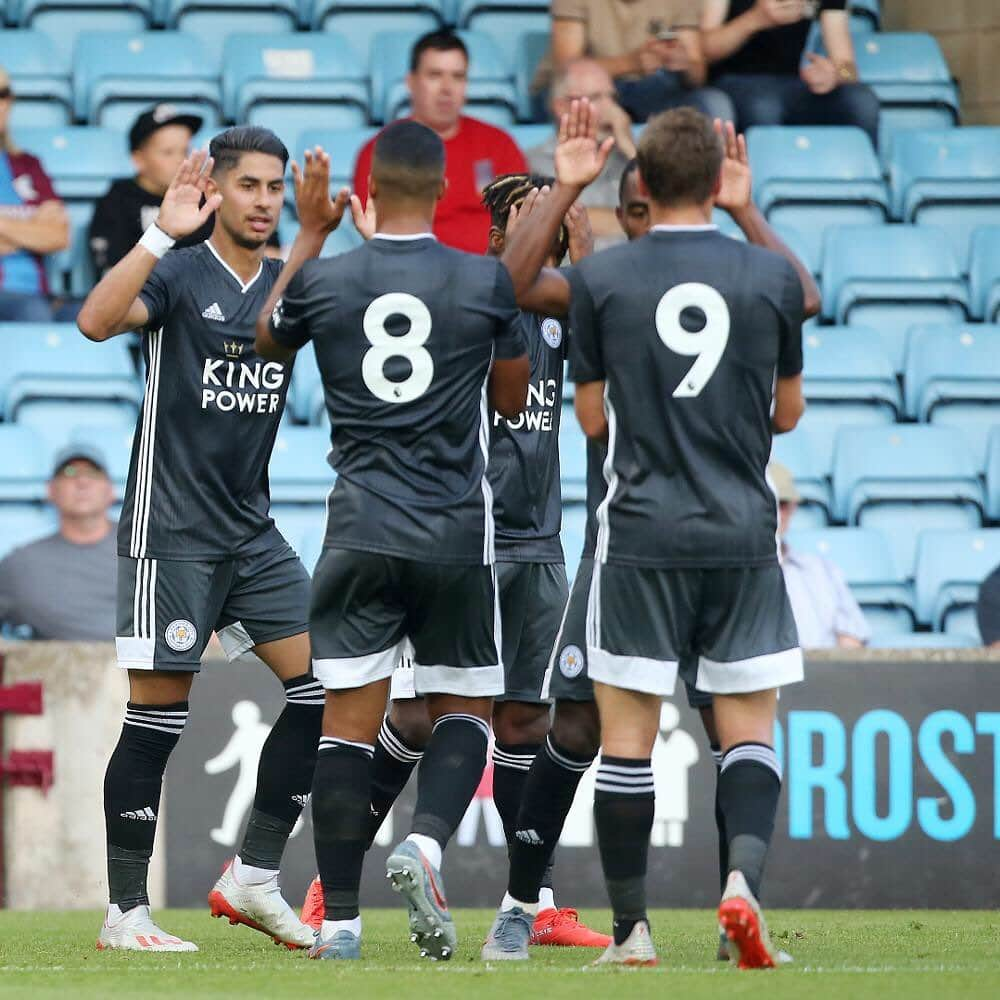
x,y
249,243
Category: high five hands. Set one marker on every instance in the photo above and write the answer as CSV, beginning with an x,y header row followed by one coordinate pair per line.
x,y
318,213
579,158
181,211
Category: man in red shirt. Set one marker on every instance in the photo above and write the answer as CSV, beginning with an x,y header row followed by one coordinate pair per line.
x,y
475,153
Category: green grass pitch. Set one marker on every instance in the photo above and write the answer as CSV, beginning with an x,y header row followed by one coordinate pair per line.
x,y
843,954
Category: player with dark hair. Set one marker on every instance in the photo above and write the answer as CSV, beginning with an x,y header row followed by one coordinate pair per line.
x,y
575,737
414,342
198,550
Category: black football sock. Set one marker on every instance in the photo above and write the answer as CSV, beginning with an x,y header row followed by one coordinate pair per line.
x,y
749,788
132,795
549,790
511,763
341,802
624,800
720,822
285,773
394,762
449,775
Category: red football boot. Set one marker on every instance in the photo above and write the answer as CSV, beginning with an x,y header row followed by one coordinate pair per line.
x,y
562,928
313,907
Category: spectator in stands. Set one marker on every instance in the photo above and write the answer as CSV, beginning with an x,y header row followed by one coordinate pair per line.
x,y
63,586
475,152
158,142
588,78
755,48
826,613
988,609
652,49
33,222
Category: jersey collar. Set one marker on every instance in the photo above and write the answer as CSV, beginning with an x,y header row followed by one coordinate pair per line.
x,y
243,288
400,237
703,228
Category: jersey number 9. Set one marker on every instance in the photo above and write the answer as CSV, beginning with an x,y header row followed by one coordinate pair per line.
x,y
408,346
706,345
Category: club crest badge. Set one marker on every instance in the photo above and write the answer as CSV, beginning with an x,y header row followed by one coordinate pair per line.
x,y
552,332
181,635
571,662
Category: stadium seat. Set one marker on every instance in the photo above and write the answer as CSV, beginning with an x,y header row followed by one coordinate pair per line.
x,y
302,526
574,531
953,378
797,452
866,15
505,21
814,177
865,558
299,472
310,547
803,248
531,49
847,364
489,90
305,394
22,523
984,274
948,178
52,361
71,271
300,80
64,21
572,455
113,440
923,640
25,469
950,567
39,74
993,475
82,160
344,238
116,75
529,136
213,20
904,479
891,278
359,21
910,76
343,145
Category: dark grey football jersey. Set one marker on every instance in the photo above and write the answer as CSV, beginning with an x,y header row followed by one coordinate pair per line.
x,y
597,489
197,484
405,331
688,329
524,454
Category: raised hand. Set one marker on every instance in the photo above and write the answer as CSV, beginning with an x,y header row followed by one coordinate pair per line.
x,y
518,213
364,216
581,236
737,181
579,159
317,211
181,211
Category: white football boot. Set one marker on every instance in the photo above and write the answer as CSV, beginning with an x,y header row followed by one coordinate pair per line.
x,y
134,930
636,950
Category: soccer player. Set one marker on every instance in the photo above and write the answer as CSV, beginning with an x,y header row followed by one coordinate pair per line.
x,y
688,167
413,341
198,551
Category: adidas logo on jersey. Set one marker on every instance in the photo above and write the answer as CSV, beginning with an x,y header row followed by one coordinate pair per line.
x,y
146,814
529,837
213,312
300,800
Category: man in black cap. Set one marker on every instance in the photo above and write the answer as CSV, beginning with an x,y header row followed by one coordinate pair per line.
x,y
63,586
158,142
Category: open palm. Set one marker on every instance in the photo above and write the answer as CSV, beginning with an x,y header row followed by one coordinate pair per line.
x,y
579,159
181,212
737,181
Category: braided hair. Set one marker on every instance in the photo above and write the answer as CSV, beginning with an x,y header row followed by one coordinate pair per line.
x,y
508,191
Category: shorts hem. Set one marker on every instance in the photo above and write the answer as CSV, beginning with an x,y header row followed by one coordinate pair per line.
x,y
466,682
285,632
533,697
340,673
632,673
756,673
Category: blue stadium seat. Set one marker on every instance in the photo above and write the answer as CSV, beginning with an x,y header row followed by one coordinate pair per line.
x,y
803,248
814,177
303,526
923,640
213,20
531,50
71,271
82,160
299,80
797,452
25,469
343,145
948,178
344,238
950,567
65,20
993,475
299,472
305,394
953,378
21,524
891,278
491,93
904,479
847,364
113,440
52,361
910,76
310,548
39,74
572,455
359,21
116,75
984,274
865,558
866,15
529,136
505,21
574,531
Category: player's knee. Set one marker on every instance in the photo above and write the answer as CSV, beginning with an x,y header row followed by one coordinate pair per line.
x,y
517,722
411,721
576,727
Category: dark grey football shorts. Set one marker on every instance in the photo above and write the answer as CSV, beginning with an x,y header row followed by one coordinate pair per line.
x,y
370,610
730,631
532,600
169,608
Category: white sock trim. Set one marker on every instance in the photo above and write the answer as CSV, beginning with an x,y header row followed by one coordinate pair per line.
x,y
251,875
428,847
509,902
330,927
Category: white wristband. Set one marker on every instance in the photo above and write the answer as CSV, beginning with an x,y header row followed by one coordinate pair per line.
x,y
156,241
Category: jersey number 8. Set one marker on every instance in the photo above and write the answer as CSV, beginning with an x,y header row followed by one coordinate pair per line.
x,y
707,344
408,346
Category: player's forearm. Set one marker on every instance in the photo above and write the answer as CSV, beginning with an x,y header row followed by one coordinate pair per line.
x,y
721,42
105,312
40,234
759,232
